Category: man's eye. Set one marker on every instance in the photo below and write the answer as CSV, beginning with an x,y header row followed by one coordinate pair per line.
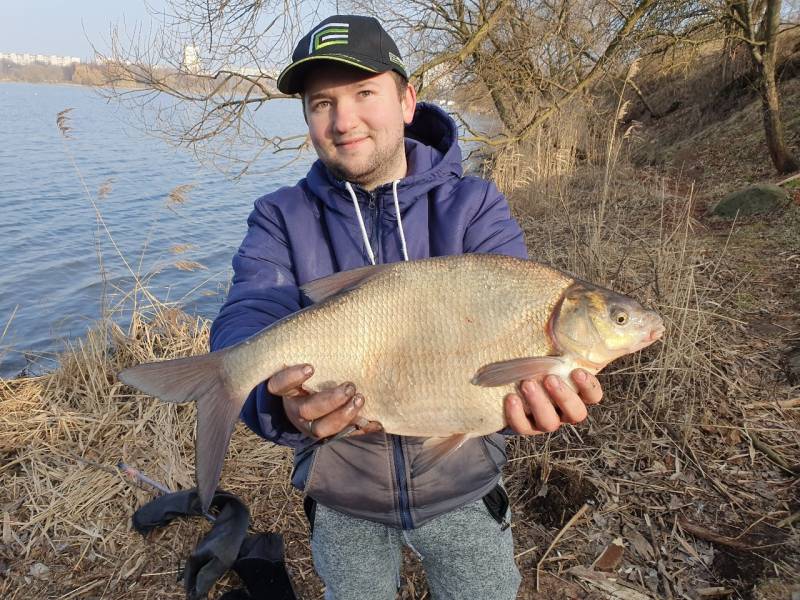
x,y
323,104
366,93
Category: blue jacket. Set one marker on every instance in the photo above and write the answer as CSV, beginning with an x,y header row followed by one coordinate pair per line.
x,y
310,230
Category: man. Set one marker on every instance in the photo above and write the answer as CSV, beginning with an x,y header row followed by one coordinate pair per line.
x,y
388,186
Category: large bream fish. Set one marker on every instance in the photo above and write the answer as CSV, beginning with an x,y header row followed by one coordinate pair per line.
x,y
433,345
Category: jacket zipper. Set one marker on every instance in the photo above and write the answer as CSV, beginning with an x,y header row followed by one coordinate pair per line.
x,y
396,441
400,477
374,214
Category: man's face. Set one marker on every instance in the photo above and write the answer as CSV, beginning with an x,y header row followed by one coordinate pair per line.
x,y
355,121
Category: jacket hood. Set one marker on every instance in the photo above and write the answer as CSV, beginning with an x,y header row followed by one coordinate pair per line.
x,y
432,153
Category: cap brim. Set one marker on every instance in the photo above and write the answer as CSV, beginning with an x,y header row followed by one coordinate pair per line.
x,y
290,81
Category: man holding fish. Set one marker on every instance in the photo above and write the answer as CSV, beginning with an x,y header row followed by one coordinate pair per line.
x,y
356,101
402,369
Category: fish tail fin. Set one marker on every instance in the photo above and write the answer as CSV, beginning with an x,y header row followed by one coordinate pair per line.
x,y
201,379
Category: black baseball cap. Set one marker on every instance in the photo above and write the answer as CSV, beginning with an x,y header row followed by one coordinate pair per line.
x,y
353,40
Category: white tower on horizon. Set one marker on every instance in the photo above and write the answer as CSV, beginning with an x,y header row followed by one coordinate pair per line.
x,y
191,59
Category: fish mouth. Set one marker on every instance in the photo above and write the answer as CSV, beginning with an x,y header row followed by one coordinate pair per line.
x,y
656,334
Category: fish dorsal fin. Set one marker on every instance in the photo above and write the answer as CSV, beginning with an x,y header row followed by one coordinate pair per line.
x,y
511,371
325,287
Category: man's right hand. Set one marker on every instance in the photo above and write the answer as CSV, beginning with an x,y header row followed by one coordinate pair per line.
x,y
319,414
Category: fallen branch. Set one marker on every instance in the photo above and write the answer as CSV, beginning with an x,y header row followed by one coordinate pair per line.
x,y
723,540
793,403
770,453
789,520
788,179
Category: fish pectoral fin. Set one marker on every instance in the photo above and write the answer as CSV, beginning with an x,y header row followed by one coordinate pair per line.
x,y
199,379
511,371
325,287
434,450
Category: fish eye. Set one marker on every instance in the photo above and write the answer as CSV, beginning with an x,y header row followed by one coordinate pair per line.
x,y
620,317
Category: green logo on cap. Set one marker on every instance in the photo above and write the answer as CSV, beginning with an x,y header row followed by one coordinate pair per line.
x,y
396,60
331,34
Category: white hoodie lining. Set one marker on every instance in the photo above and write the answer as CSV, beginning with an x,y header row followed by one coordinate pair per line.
x,y
399,219
363,228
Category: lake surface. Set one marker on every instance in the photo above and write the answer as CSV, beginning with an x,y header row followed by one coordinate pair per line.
x,y
51,288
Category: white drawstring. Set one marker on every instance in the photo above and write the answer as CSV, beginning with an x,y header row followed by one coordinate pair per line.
x,y
363,228
399,219
360,222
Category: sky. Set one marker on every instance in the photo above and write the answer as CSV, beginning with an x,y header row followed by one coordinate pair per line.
x,y
62,27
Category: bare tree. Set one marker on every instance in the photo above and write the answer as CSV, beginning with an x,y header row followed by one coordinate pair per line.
x,y
757,24
531,56
200,79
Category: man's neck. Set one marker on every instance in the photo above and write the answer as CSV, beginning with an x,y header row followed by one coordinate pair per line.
x,y
398,172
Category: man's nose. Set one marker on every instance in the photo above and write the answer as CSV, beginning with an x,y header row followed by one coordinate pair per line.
x,y
346,117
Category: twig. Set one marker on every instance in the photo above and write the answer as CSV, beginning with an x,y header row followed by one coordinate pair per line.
x,y
788,179
138,477
524,552
771,454
560,534
789,520
711,536
793,403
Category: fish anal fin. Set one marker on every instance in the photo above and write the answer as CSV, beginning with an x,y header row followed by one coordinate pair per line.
x,y
200,379
325,287
511,371
435,450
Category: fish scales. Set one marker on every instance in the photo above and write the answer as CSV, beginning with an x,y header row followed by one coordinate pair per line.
x,y
412,346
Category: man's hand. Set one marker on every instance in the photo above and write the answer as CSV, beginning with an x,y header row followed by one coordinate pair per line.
x,y
543,407
321,414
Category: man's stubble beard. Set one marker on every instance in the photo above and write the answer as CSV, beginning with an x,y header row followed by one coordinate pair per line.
x,y
377,169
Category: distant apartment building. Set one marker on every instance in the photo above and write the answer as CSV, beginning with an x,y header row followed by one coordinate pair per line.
x,y
43,59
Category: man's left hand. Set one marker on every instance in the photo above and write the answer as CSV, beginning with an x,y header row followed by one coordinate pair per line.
x,y
541,407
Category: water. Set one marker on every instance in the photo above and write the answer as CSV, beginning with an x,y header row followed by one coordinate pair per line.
x,y
50,277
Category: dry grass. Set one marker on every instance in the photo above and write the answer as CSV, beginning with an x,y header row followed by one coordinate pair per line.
x,y
693,459
64,505
686,426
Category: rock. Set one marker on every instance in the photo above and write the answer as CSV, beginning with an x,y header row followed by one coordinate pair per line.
x,y
754,200
40,571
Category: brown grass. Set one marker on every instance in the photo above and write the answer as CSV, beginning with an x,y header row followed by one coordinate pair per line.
x,y
63,503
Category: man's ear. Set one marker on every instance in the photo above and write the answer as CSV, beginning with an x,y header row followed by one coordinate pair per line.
x,y
409,104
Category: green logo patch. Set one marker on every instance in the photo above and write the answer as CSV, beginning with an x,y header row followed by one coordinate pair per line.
x,y
332,34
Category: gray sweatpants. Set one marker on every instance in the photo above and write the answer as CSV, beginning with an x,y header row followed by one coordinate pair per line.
x,y
465,554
